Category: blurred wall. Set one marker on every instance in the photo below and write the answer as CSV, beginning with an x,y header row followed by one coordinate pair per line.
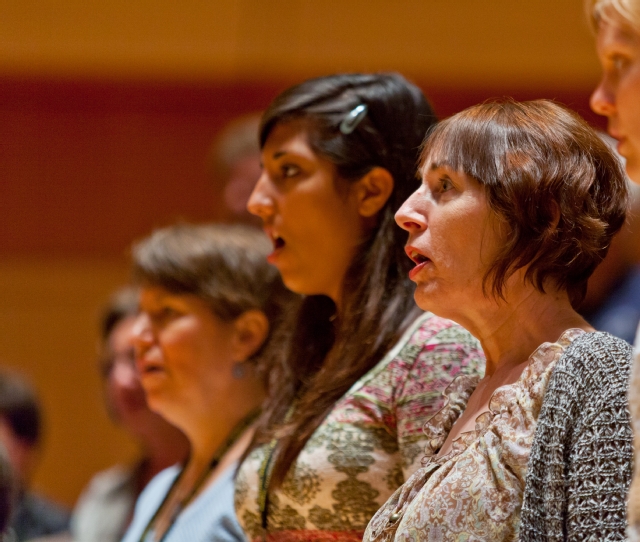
x,y
107,111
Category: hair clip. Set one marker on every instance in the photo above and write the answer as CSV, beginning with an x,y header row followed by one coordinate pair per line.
x,y
355,116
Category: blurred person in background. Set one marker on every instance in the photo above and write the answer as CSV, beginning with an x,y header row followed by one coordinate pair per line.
x,y
617,23
21,436
234,167
7,495
617,97
209,305
612,302
105,508
361,367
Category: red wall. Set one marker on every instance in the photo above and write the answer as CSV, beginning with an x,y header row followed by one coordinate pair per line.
x,y
87,166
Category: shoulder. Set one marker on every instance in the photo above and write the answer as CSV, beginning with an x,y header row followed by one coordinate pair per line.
x,y
155,491
149,501
158,486
588,388
108,481
440,346
595,360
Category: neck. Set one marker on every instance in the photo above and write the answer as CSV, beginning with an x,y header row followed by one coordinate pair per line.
x,y
162,447
511,330
208,434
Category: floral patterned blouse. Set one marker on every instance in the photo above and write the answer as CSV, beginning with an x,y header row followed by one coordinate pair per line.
x,y
474,492
368,445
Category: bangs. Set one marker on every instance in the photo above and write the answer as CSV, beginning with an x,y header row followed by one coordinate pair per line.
x,y
471,142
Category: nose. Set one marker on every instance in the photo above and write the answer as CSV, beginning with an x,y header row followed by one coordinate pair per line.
x,y
124,373
602,100
142,334
261,202
409,217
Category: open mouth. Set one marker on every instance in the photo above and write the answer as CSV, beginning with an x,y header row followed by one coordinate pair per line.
x,y
148,367
278,242
417,257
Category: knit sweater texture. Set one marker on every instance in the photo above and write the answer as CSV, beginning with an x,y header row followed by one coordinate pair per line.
x,y
580,466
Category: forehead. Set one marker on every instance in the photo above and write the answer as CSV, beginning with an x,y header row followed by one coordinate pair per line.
x,y
288,137
154,293
613,31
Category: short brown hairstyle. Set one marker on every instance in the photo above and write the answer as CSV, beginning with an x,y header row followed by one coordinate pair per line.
x,y
555,185
224,265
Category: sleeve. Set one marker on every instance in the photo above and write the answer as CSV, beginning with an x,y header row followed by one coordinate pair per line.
x,y
633,512
437,352
580,464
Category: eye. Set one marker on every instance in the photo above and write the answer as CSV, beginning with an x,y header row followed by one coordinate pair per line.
x,y
162,314
289,170
618,63
445,184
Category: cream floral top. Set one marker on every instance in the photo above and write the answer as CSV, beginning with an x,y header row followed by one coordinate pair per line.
x,y
369,444
473,493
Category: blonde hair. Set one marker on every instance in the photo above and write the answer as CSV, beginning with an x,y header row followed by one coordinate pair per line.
x,y
606,10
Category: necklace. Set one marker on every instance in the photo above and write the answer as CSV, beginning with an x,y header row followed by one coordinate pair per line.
x,y
231,439
264,475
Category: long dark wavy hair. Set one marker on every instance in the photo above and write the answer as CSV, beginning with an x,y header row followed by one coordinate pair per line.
x,y
320,356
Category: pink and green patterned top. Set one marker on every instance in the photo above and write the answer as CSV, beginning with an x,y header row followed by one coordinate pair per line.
x,y
369,444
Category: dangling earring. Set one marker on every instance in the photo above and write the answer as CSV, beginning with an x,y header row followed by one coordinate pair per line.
x,y
239,370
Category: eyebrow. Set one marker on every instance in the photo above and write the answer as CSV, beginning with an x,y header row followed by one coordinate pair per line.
x,y
441,164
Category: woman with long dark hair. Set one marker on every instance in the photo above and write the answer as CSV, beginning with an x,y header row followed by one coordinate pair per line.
x,y
360,368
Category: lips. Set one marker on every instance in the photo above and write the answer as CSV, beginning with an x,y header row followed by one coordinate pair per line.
x,y
418,258
146,366
278,244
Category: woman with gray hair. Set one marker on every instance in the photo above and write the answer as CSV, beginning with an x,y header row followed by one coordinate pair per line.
x,y
209,304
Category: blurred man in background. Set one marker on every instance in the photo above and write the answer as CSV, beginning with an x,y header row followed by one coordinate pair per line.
x,y
234,167
20,434
105,507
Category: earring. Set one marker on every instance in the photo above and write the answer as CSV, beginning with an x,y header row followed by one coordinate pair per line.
x,y
239,370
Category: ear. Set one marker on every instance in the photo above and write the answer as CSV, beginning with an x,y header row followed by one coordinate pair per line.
x,y
372,191
250,330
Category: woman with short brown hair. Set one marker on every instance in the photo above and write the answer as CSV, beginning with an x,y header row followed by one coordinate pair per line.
x,y
518,204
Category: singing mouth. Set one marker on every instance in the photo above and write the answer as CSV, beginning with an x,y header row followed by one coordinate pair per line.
x,y
416,256
148,367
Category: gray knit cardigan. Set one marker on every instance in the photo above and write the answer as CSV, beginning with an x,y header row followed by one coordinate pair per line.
x,y
581,460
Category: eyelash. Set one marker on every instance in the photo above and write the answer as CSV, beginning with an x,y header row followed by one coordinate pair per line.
x,y
618,62
162,314
289,170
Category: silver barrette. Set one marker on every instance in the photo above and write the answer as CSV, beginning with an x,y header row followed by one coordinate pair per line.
x,y
355,116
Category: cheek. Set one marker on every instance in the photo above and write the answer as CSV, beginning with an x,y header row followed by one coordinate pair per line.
x,y
629,90
179,344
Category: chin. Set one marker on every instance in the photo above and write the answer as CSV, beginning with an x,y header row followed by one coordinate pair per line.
x,y
300,286
434,301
